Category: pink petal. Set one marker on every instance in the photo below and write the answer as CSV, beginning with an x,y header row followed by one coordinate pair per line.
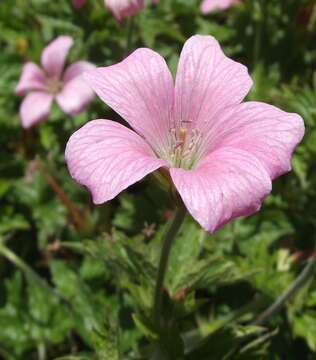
x,y
141,90
124,8
77,4
76,94
76,69
208,6
107,157
54,55
32,78
227,184
207,81
35,107
263,130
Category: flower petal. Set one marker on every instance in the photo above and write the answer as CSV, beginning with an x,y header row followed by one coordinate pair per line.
x,y
107,157
124,8
208,6
141,90
207,81
35,107
32,78
54,55
76,94
227,184
76,69
263,130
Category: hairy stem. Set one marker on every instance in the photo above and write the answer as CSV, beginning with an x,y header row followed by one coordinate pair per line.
x,y
169,237
288,293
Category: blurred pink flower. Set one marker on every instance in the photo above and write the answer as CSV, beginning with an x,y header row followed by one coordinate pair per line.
x,y
221,154
77,4
208,6
42,86
125,8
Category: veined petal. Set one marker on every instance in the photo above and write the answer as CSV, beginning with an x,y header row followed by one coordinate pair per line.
x,y
107,157
54,55
207,81
35,107
263,130
76,94
141,90
227,184
32,78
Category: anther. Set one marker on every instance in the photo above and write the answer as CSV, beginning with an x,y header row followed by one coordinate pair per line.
x,y
182,134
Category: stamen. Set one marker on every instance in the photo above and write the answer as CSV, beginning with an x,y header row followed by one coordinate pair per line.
x,y
182,134
54,85
185,146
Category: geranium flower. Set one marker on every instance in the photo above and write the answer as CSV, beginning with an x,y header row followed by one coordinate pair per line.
x,y
42,86
77,4
208,6
122,9
221,154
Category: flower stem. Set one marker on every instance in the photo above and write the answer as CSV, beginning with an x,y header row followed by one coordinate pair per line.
x,y
129,37
288,293
170,235
258,30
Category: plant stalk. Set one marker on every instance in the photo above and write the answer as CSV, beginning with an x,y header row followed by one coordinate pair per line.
x,y
169,237
129,37
25,268
299,282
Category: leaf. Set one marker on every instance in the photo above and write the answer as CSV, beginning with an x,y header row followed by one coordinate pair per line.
x,y
304,325
106,341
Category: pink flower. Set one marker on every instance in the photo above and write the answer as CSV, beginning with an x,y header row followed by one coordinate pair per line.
x,y
208,6
43,86
77,4
125,8
221,154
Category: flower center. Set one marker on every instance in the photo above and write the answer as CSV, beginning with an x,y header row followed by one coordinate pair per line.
x,y
184,147
54,85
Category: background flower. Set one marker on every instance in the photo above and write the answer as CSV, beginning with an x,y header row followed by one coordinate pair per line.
x,y
42,86
78,3
122,9
208,6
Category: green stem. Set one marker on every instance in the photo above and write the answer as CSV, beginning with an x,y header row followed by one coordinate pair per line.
x,y
129,38
258,32
19,263
170,235
288,293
